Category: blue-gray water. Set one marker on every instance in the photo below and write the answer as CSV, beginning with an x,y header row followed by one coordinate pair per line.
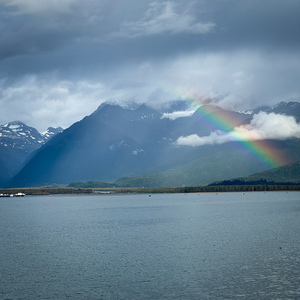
x,y
175,246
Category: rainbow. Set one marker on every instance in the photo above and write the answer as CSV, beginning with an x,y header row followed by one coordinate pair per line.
x,y
262,152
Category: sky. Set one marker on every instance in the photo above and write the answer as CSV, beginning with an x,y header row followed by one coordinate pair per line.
x,y
60,59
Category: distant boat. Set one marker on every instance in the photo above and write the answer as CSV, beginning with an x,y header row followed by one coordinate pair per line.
x,y
19,195
13,195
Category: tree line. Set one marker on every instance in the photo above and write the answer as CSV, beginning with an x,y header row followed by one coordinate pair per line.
x,y
193,189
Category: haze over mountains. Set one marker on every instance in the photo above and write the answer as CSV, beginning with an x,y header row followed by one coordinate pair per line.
x,y
150,145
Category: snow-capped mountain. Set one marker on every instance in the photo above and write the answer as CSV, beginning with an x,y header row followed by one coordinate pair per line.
x,y
117,141
285,108
17,142
50,132
18,135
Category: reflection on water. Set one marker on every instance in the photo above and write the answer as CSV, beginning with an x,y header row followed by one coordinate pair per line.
x,y
175,246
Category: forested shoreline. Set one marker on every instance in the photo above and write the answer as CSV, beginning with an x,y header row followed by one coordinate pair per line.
x,y
195,189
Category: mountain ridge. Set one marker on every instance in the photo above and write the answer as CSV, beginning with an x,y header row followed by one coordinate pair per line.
x,y
116,142
17,142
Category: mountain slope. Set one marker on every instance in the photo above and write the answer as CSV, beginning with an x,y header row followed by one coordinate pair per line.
x,y
213,163
116,142
285,174
221,163
286,108
17,142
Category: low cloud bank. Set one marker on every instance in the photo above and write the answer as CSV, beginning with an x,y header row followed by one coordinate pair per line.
x,y
178,114
44,102
262,126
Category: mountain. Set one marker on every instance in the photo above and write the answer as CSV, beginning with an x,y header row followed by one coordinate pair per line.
x,y
285,108
139,143
17,142
288,173
220,165
285,174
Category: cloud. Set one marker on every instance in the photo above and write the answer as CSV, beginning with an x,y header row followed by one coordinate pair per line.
x,y
162,18
43,102
240,81
30,27
241,54
37,6
272,24
194,140
262,126
270,126
178,114
236,80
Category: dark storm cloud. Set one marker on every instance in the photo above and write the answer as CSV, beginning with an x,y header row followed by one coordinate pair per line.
x,y
163,18
114,32
32,26
270,23
97,30
58,52
28,27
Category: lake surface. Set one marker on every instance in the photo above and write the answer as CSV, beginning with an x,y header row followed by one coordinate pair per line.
x,y
173,246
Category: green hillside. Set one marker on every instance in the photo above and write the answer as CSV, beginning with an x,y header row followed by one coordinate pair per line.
x,y
215,164
212,164
288,173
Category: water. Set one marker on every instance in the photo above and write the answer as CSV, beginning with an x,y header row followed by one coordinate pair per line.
x,y
175,246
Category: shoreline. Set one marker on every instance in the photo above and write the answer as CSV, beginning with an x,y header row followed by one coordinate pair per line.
x,y
43,191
